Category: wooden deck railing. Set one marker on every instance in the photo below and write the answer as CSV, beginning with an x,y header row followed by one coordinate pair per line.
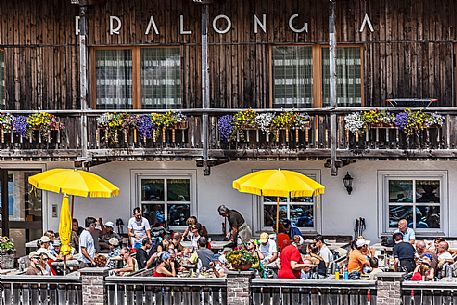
x,y
49,290
313,292
312,141
165,291
427,293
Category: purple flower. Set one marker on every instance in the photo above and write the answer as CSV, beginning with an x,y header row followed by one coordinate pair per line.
x,y
225,127
20,125
145,126
401,120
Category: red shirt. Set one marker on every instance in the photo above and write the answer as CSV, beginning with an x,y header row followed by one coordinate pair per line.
x,y
288,254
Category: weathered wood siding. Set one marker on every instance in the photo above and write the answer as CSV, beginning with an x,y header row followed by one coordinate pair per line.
x,y
410,54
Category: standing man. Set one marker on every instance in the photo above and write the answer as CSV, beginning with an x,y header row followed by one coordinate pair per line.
x,y
238,227
404,254
138,228
107,234
86,244
408,234
324,251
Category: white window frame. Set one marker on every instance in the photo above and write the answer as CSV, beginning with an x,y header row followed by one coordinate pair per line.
x,y
383,199
138,175
314,174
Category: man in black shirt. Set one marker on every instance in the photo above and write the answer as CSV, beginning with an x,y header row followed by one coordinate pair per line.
x,y
238,226
403,254
144,254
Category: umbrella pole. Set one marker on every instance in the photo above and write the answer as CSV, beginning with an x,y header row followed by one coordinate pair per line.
x,y
277,215
65,264
72,206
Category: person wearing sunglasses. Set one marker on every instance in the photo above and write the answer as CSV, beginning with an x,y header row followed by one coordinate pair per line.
x,y
130,264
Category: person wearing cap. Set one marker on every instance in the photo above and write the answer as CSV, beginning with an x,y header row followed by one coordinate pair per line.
x,y
45,242
35,267
404,254
165,265
291,262
408,234
423,271
56,251
238,227
268,248
114,253
357,260
324,251
45,261
109,233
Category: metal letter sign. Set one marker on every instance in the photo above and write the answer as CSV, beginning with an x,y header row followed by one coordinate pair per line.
x,y
227,28
114,29
366,21
152,25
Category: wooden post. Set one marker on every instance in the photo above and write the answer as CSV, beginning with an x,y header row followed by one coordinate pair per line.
x,y
205,86
83,82
333,96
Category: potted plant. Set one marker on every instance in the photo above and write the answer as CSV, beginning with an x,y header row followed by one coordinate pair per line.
x,y
225,128
7,251
240,260
43,123
245,120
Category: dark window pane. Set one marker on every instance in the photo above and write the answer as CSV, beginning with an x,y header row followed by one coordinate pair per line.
x,y
302,199
270,215
428,217
302,215
152,190
428,190
2,80
274,199
178,214
154,213
178,190
397,212
400,191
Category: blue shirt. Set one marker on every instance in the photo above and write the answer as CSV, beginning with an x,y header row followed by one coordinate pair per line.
x,y
408,235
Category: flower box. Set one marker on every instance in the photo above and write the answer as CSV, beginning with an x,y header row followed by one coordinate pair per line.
x,y
6,260
182,125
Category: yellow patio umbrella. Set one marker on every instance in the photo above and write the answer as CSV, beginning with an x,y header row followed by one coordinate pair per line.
x,y
278,183
72,182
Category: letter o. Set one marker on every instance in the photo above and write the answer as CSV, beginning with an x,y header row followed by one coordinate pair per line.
x,y
229,24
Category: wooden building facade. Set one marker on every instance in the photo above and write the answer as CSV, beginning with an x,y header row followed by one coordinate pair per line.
x,y
410,53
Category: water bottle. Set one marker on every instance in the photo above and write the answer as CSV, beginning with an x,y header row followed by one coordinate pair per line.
x,y
345,274
337,272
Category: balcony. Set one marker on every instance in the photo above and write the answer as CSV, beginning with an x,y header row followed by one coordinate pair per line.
x,y
187,141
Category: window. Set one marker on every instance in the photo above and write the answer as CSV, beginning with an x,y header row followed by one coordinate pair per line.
x,y
137,78
2,79
160,81
292,76
300,211
114,79
166,199
418,198
301,76
349,81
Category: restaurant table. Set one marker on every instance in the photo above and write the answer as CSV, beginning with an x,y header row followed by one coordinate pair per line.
x,y
215,244
32,244
70,263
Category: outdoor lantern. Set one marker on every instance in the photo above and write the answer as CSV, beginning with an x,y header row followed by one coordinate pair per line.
x,y
347,181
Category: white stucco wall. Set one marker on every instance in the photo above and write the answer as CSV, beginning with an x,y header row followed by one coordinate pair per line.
x,y
338,209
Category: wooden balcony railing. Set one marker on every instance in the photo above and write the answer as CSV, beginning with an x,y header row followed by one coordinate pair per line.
x,y
313,140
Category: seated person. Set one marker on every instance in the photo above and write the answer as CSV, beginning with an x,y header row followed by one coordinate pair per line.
x,y
203,256
144,254
36,266
357,260
130,264
252,247
317,260
114,255
268,248
307,271
107,234
45,247
176,243
56,251
444,257
374,264
165,265
423,270
404,254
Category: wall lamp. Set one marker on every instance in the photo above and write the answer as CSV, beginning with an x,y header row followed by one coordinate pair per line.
x,y
347,181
